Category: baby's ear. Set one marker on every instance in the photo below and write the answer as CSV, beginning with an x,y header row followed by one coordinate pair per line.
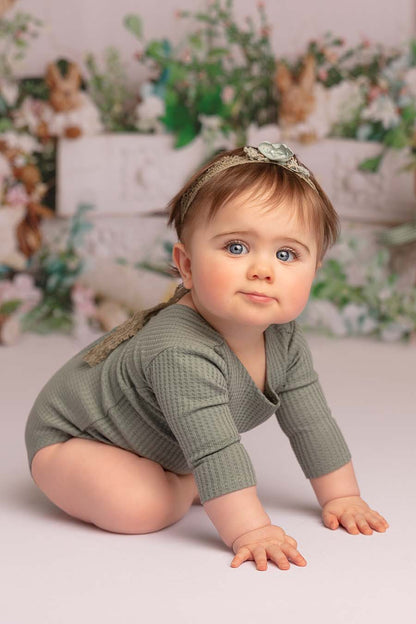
x,y
73,76
308,74
182,262
53,76
284,79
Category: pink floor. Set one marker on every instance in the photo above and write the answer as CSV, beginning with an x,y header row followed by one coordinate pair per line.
x,y
59,571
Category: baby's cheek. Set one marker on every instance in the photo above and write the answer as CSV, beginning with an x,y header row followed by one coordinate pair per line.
x,y
300,296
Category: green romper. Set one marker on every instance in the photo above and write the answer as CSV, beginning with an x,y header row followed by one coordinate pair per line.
x,y
176,393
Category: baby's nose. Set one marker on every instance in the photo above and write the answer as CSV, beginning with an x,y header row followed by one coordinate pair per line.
x,y
261,270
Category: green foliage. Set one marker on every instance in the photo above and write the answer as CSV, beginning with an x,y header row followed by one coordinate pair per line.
x,y
371,165
110,92
33,87
381,302
15,34
218,55
133,23
55,273
9,307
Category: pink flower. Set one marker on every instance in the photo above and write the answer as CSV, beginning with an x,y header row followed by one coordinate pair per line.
x,y
322,74
186,56
228,94
331,57
83,301
22,287
6,291
17,196
374,93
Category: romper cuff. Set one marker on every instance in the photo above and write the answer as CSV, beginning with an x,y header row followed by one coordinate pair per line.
x,y
223,472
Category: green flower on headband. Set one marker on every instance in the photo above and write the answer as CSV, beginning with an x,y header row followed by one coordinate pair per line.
x,y
283,155
278,152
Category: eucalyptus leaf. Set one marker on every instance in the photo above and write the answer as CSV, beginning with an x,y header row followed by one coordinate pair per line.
x,y
371,165
133,23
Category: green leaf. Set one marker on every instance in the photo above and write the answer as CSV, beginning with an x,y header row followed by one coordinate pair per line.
x,y
371,165
396,138
186,134
8,307
176,116
210,103
133,23
412,52
5,124
409,113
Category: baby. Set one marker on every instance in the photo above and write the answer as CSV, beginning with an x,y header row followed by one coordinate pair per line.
x,y
145,422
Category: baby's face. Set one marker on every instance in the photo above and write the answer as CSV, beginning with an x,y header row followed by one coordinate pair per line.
x,y
250,265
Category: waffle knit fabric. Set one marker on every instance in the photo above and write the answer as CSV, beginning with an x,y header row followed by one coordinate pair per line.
x,y
176,393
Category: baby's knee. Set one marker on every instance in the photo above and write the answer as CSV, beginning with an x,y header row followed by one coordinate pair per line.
x,y
135,516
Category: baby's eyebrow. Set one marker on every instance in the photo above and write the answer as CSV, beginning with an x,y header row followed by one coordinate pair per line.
x,y
285,239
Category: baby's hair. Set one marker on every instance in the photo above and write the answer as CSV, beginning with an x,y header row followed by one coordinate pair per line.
x,y
271,184
268,182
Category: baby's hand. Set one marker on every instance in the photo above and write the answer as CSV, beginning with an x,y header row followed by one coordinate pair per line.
x,y
269,542
354,515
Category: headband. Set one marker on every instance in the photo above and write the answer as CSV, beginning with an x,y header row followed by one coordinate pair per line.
x,y
272,153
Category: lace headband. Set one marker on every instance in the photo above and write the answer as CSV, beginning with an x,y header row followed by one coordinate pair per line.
x,y
273,153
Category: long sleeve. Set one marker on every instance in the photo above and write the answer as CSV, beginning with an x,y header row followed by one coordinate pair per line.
x,y
191,390
305,417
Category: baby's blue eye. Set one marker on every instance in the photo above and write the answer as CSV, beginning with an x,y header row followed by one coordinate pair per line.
x,y
237,249
285,255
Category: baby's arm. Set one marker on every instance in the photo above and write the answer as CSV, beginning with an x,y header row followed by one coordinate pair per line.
x,y
339,496
244,525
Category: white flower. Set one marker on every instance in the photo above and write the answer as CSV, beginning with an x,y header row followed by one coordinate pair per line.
x,y
9,92
22,287
368,325
344,100
5,170
396,69
320,313
353,316
410,80
228,94
148,113
382,109
393,332
22,142
210,122
212,134
385,293
30,114
363,131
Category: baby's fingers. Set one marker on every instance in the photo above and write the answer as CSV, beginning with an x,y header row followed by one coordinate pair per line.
x,y
256,553
243,554
377,522
260,555
330,520
349,523
294,555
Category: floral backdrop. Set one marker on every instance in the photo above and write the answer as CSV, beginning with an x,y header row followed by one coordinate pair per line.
x,y
217,83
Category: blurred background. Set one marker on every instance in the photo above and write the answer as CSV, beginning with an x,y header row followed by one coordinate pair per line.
x,y
106,109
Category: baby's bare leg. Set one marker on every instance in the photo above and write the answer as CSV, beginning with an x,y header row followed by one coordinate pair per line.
x,y
112,488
